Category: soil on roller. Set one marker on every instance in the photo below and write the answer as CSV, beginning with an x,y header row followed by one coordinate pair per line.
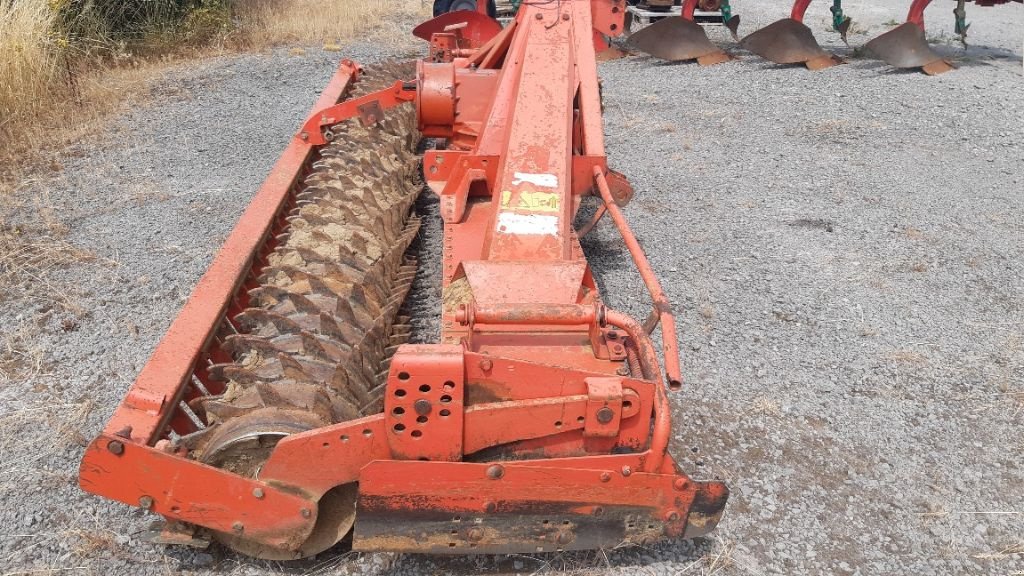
x,y
324,321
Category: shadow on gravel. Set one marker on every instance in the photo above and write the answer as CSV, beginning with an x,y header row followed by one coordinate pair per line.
x,y
603,246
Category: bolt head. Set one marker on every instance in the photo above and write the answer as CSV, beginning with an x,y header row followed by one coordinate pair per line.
x,y
626,470
306,513
565,17
115,447
679,484
475,534
672,516
490,507
146,502
495,472
258,493
564,537
486,365
237,527
539,16
422,407
605,415
605,477
622,371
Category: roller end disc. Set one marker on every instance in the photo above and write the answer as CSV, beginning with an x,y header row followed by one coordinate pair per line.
x,y
241,445
905,47
786,41
676,39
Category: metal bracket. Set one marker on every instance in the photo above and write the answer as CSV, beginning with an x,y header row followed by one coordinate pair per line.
x,y
370,113
604,407
316,130
423,413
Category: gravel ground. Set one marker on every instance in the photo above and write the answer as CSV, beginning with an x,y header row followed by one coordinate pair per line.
x,y
844,248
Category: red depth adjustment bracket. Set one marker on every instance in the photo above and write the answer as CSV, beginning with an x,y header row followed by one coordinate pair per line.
x,y
369,109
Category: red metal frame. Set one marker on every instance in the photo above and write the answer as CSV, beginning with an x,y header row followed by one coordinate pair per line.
x,y
799,9
538,403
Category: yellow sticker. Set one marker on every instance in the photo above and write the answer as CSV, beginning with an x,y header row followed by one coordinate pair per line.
x,y
538,201
531,201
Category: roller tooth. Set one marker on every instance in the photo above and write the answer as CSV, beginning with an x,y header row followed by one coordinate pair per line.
x,y
343,333
261,322
293,369
319,350
309,398
345,381
242,344
304,304
247,376
346,314
343,408
266,296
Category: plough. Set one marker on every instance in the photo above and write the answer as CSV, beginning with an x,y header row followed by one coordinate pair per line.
x,y
286,410
790,41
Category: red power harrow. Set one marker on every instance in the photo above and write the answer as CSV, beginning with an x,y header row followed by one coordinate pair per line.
x,y
284,409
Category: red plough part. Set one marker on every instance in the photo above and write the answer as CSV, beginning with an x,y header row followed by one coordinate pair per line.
x,y
678,39
284,409
905,46
790,41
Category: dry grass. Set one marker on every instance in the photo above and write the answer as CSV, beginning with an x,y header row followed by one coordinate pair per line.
x,y
26,259
53,91
275,22
29,60
903,356
63,420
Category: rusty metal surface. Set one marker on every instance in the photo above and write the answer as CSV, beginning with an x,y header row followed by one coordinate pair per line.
x,y
189,491
788,41
678,39
536,527
905,46
526,507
